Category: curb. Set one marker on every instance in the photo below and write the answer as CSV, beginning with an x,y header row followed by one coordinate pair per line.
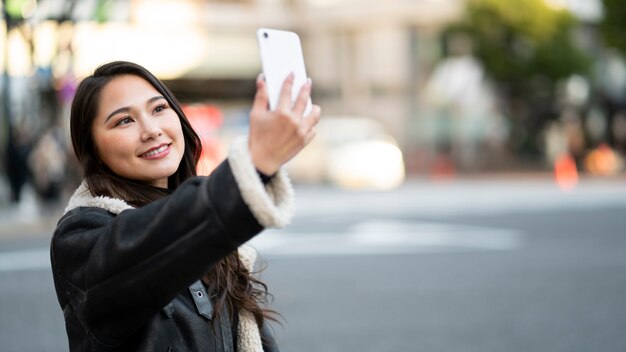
x,y
20,228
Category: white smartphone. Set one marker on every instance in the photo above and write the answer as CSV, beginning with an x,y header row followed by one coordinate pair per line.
x,y
281,54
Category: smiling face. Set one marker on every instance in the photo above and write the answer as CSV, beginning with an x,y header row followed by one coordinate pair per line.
x,y
136,133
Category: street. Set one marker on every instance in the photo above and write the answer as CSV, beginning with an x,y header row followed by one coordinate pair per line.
x,y
470,265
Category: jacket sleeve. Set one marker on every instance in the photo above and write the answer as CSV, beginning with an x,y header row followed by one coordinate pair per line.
x,y
115,272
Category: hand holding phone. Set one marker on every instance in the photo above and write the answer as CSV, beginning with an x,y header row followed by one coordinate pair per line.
x,y
282,118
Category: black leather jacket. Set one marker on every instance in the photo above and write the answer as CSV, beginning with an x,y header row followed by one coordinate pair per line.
x,y
129,281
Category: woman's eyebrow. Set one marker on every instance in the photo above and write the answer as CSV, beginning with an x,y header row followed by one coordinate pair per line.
x,y
155,98
127,109
124,109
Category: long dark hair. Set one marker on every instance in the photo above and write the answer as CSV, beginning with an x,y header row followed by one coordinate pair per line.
x,y
229,282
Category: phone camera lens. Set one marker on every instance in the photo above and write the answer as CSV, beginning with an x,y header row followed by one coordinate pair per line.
x,y
265,35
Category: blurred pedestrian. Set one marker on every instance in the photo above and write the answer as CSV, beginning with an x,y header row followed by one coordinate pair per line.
x,y
148,256
16,161
48,164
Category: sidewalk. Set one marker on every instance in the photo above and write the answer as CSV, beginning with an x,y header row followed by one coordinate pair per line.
x,y
27,217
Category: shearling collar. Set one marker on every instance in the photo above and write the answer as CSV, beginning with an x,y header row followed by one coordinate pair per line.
x,y
82,197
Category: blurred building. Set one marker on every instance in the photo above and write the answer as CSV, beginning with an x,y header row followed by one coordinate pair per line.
x,y
369,58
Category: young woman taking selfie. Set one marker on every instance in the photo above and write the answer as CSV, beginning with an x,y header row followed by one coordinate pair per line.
x,y
148,256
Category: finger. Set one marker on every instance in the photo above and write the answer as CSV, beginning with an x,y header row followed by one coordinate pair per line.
x,y
284,100
312,118
303,98
261,98
309,136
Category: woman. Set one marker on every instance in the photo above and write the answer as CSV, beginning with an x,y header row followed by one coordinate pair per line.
x,y
147,257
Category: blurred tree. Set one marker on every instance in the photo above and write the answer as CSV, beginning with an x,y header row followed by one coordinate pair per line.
x,y
611,75
102,11
526,47
613,25
15,9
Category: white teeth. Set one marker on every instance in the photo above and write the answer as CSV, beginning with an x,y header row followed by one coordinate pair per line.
x,y
156,151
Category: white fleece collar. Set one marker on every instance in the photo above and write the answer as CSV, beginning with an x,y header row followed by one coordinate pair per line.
x,y
272,204
82,197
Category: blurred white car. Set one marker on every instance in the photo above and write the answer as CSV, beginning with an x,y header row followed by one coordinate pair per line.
x,y
351,152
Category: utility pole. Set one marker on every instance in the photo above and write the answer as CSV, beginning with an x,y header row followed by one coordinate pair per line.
x,y
6,135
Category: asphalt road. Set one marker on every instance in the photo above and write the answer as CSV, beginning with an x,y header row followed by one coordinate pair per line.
x,y
489,265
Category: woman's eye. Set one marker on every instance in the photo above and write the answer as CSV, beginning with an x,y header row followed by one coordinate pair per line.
x,y
124,121
160,107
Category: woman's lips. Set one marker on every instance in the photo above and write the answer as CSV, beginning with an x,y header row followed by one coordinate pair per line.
x,y
157,153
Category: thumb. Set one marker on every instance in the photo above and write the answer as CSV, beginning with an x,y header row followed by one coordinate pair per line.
x,y
261,99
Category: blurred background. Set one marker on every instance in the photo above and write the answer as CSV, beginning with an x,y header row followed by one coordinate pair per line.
x,y
466,189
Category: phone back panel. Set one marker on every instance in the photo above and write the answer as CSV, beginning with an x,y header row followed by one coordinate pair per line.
x,y
281,54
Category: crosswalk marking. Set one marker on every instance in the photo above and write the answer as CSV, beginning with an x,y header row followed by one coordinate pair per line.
x,y
389,237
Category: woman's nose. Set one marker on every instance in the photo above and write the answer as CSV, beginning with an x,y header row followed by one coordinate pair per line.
x,y
151,130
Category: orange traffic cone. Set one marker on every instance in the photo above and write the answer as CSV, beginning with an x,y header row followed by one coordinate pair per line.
x,y
565,172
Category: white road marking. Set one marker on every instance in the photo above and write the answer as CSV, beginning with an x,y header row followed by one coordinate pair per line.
x,y
30,259
390,237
